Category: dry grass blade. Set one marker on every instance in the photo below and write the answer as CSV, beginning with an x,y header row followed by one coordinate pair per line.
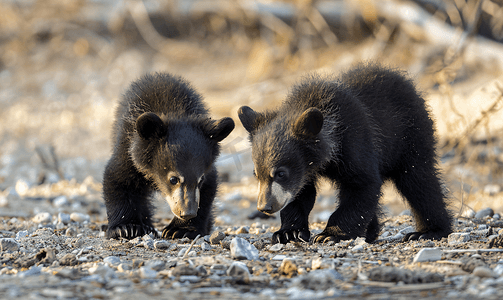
x,y
190,247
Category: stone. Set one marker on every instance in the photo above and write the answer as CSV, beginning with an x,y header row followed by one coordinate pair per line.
x,y
161,245
42,218
239,270
483,272
60,201
498,270
147,244
288,268
201,270
21,234
458,238
205,246
407,230
279,257
156,265
275,247
322,279
243,230
64,218
184,270
216,237
242,249
68,259
147,273
468,213
384,235
393,274
124,267
316,263
484,213
469,264
357,248
71,232
428,254
79,217
8,244
35,270
112,260
69,273
103,271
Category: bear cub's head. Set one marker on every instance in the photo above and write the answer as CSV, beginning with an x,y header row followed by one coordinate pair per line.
x,y
176,154
282,152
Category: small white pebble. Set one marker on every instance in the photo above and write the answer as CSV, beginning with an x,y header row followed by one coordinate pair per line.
x,y
483,272
112,260
42,218
60,201
147,273
79,217
21,234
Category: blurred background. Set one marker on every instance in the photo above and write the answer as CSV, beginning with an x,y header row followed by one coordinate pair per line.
x,y
65,63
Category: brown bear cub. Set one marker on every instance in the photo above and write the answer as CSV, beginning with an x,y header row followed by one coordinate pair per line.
x,y
359,130
165,142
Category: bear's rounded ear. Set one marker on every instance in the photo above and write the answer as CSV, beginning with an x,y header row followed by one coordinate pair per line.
x,y
221,129
248,118
149,125
309,124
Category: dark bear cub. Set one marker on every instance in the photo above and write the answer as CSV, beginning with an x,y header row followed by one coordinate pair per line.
x,y
165,141
368,126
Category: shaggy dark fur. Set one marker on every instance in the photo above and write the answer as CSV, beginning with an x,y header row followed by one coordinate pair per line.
x,y
358,130
164,141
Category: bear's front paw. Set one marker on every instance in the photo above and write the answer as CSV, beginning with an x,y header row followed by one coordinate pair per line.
x,y
129,231
284,236
428,235
331,234
180,232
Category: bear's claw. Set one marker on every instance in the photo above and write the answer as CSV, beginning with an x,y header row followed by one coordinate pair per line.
x,y
428,235
284,236
130,231
180,232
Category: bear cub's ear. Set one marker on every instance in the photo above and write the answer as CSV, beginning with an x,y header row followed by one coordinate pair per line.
x,y
149,125
221,129
309,124
248,117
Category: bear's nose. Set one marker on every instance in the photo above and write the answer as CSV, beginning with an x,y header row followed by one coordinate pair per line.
x,y
188,215
267,208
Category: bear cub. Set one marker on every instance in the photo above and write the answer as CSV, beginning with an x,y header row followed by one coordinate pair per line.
x,y
359,130
165,142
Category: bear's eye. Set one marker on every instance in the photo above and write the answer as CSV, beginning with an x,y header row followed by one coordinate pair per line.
x,y
174,180
281,174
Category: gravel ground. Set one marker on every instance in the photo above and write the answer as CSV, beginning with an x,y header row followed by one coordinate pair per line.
x,y
53,246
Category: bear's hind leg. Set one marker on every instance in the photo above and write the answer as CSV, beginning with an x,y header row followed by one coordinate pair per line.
x,y
203,222
421,187
295,217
